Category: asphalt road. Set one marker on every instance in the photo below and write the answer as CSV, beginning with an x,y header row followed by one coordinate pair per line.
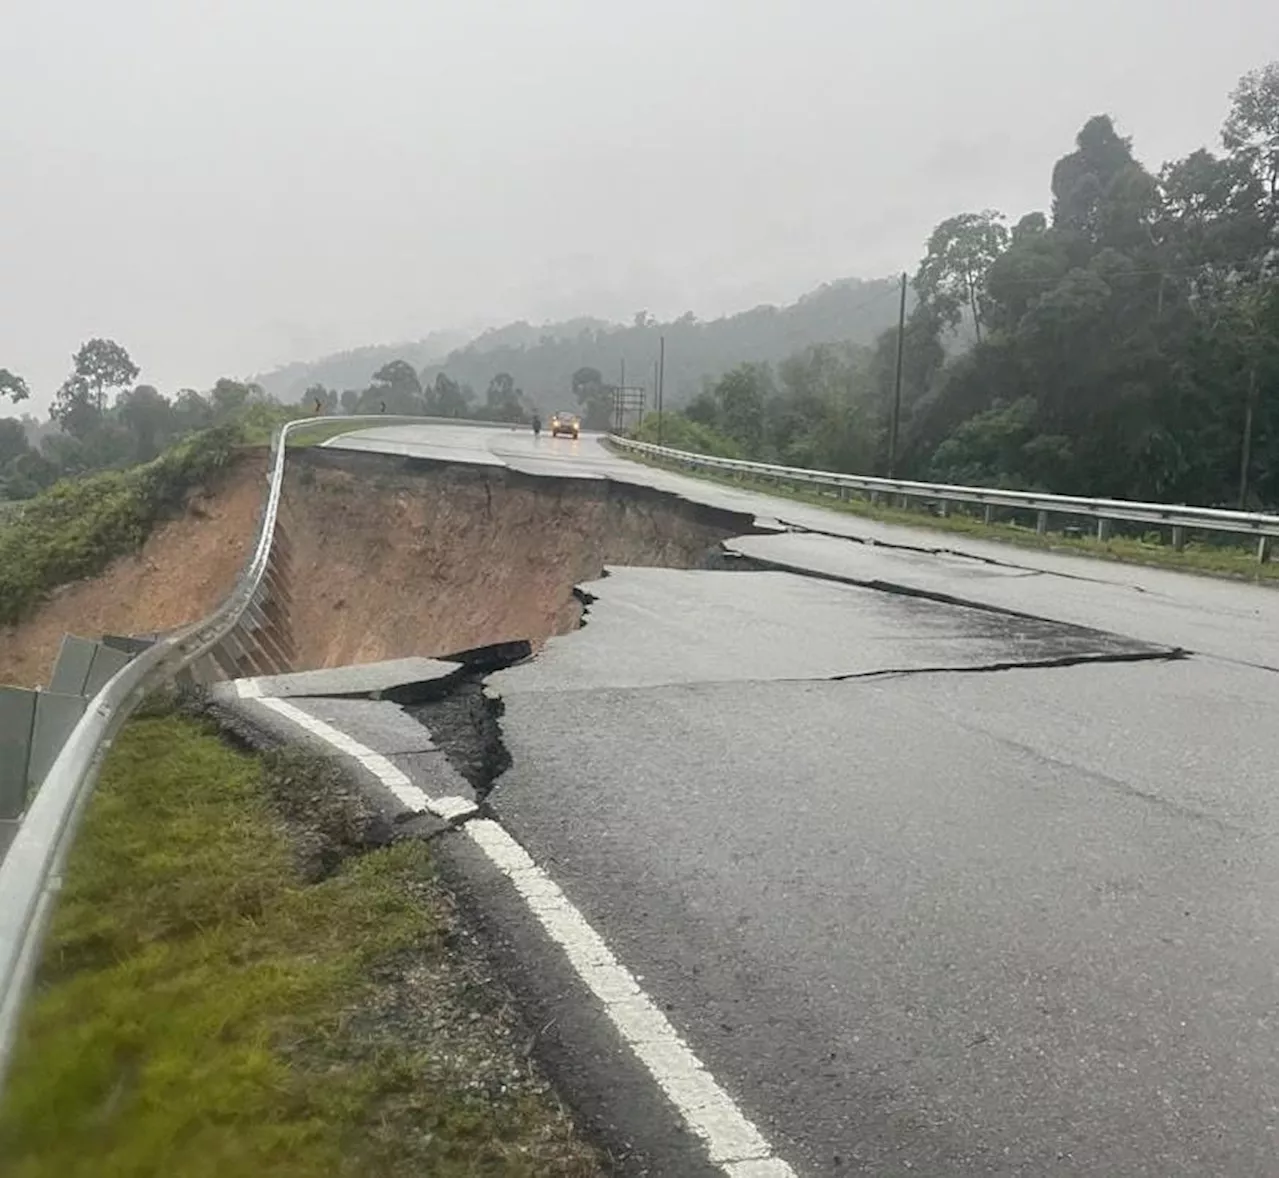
x,y
929,888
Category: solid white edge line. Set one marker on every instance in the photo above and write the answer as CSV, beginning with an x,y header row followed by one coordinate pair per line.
x,y
732,1141
450,809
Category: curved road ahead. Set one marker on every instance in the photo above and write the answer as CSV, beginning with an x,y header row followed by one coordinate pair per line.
x,y
929,888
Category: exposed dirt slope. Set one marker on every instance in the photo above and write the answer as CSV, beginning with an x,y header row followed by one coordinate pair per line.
x,y
391,559
185,567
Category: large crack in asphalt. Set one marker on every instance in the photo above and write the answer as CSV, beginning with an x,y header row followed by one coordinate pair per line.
x,y
464,715
740,562
1172,654
942,550
465,719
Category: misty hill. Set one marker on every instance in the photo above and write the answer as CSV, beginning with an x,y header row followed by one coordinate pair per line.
x,y
543,358
351,370
851,309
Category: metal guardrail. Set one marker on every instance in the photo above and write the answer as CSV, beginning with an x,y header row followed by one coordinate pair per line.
x,y
31,871
1179,518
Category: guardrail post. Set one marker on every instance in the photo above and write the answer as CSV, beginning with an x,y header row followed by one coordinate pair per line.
x,y
988,513
1042,522
1104,530
1264,549
1179,538
944,509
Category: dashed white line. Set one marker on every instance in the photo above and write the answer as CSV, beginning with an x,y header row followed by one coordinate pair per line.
x,y
732,1141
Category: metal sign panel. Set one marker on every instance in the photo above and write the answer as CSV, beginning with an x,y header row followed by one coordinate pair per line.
x,y
71,669
17,719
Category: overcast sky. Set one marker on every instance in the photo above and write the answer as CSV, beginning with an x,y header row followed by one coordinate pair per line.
x,y
230,184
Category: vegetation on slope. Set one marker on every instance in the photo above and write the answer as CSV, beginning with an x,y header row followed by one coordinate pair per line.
x,y
78,526
204,1012
680,433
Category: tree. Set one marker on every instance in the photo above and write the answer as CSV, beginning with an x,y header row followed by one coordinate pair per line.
x,y
704,409
824,415
75,407
1252,130
503,401
952,275
317,394
27,475
350,400
13,386
149,418
397,385
191,412
742,394
228,398
594,397
13,440
1128,347
103,364
450,398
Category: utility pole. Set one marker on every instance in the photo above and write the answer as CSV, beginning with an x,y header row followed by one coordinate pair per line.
x,y
1246,442
662,365
897,380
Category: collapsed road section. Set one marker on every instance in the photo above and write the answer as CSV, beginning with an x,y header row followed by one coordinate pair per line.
x,y
890,867
395,557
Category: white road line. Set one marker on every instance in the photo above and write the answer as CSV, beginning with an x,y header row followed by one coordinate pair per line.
x,y
448,808
732,1141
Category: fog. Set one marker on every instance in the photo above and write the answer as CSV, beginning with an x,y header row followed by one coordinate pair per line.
x,y
227,186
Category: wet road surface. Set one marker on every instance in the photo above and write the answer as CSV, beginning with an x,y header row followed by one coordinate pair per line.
x,y
922,903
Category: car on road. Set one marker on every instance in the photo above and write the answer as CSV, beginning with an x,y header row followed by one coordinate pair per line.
x,y
565,423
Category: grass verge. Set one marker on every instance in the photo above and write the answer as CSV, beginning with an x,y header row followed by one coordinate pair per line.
x,y
323,429
205,1012
1220,560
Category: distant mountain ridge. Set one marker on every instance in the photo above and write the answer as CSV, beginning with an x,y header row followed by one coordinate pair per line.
x,y
352,369
542,359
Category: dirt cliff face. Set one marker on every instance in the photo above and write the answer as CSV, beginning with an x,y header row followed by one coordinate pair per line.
x,y
389,558
181,572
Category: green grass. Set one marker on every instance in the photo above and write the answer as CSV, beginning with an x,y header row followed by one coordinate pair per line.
x,y
203,1013
1214,559
324,429
78,526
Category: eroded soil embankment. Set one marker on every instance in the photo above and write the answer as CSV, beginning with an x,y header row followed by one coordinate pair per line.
x,y
389,558
183,569
392,558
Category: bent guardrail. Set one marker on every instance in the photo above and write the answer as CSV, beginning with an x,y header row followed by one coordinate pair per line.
x,y
31,871
1178,518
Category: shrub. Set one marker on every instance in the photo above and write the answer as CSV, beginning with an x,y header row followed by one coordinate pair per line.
x,y
680,433
78,526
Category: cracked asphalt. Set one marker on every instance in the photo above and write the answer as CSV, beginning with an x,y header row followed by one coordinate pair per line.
x,y
944,863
